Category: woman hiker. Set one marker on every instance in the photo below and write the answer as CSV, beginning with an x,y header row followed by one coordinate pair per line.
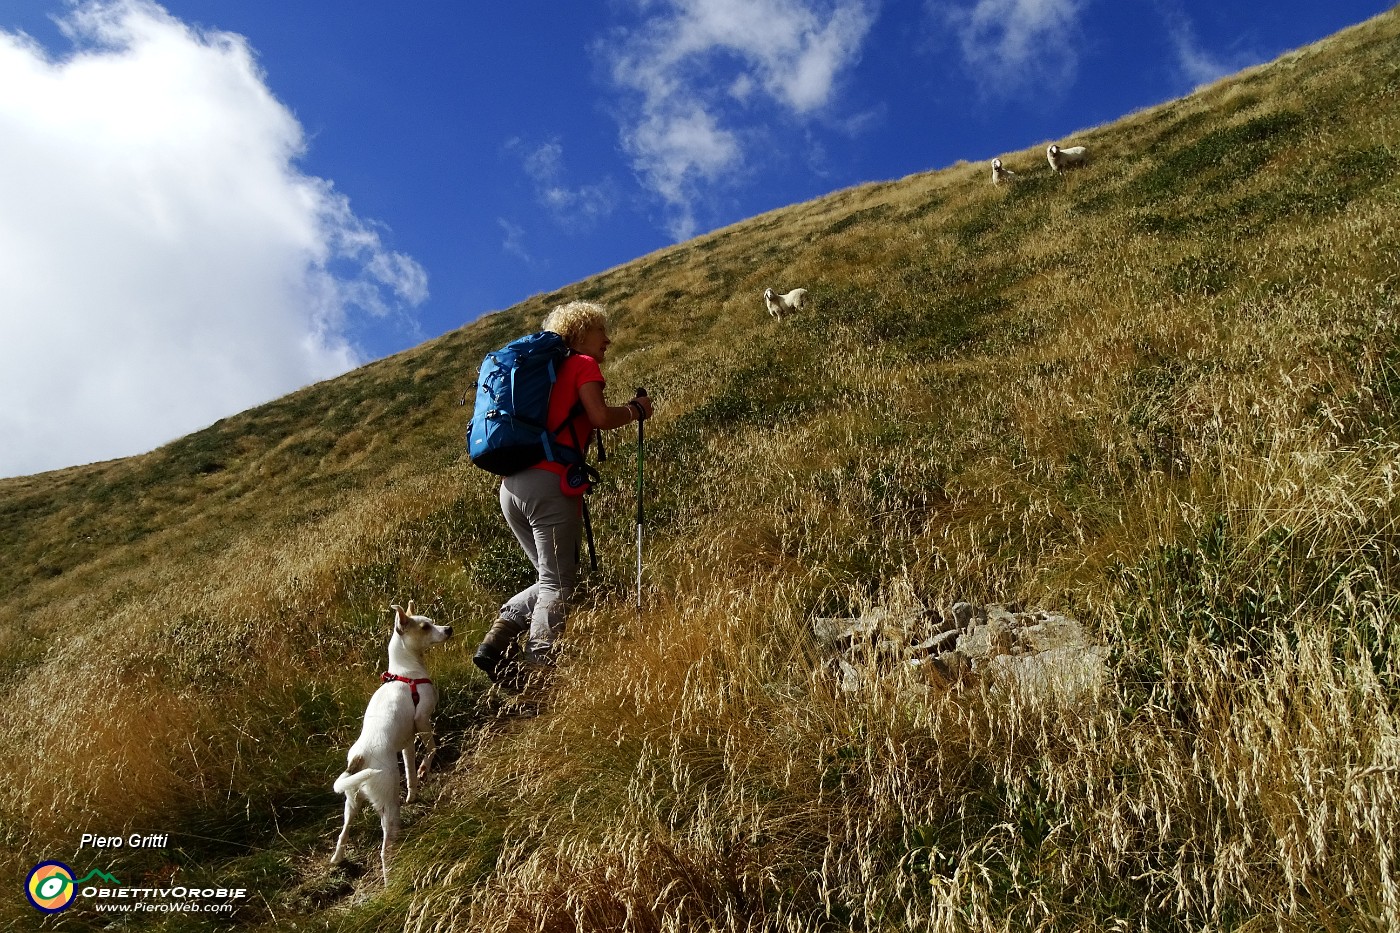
x,y
545,520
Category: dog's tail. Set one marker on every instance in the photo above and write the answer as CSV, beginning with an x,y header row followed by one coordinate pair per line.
x,y
348,783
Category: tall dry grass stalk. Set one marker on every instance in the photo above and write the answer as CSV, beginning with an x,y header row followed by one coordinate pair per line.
x,y
177,701
707,775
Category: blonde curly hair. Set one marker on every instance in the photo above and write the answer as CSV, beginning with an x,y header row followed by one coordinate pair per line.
x,y
571,321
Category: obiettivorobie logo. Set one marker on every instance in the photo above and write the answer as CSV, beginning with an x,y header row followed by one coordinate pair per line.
x,y
51,886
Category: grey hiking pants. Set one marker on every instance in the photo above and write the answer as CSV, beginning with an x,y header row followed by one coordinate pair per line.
x,y
546,523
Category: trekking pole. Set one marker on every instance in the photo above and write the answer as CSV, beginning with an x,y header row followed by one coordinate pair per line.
x,y
641,515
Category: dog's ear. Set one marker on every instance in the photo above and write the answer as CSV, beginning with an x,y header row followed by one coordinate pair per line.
x,y
399,615
410,608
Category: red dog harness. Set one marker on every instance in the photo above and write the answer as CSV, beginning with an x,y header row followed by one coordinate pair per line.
x,y
412,683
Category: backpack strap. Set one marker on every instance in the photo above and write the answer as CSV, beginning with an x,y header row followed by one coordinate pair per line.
x,y
593,477
547,434
574,411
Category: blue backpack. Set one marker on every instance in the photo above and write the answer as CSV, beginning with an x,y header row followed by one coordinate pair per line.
x,y
508,431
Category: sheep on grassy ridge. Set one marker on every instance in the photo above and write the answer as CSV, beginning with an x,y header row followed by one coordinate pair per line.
x,y
1062,159
1000,174
778,305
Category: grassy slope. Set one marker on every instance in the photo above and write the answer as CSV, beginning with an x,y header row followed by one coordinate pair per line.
x,y
1159,394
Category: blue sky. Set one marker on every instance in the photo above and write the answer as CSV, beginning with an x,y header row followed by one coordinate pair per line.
x,y
206,204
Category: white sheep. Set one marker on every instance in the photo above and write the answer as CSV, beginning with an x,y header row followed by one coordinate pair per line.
x,y
778,305
1061,159
1001,175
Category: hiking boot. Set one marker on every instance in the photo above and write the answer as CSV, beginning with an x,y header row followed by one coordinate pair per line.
x,y
488,659
534,665
495,648
537,660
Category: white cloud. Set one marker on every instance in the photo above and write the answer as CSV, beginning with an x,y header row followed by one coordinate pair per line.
x,y
163,261
697,69
1015,43
578,207
513,242
1196,64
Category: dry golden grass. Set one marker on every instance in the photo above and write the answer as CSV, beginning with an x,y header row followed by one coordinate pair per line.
x,y
1160,395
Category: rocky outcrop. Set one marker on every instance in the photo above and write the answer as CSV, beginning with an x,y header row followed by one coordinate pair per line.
x,y
1046,654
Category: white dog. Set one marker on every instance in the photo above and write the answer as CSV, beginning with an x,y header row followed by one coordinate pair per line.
x,y
400,709
779,305
1001,175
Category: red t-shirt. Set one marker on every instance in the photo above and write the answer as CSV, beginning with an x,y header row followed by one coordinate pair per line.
x,y
577,370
